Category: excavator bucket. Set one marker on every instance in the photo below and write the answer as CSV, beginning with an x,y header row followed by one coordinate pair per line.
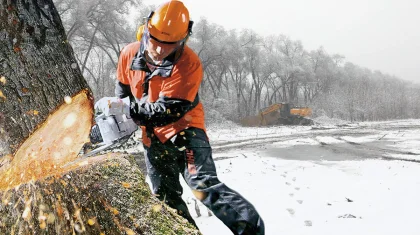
x,y
280,113
304,112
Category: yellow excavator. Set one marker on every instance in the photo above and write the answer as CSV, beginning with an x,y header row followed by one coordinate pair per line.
x,y
280,114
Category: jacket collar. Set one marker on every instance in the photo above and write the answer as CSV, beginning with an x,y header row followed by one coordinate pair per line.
x,y
165,70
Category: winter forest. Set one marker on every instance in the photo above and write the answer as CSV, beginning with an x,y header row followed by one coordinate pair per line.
x,y
243,71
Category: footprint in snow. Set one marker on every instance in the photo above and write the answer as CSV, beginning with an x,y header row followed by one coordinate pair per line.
x,y
291,211
308,223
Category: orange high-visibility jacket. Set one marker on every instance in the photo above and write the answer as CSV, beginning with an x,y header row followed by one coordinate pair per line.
x,y
182,83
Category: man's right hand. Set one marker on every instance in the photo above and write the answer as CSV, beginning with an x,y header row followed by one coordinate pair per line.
x,y
113,106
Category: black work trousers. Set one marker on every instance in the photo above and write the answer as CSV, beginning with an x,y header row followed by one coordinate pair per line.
x,y
189,153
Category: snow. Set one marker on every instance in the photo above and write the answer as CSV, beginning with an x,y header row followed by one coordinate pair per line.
x,y
324,120
241,134
306,196
363,139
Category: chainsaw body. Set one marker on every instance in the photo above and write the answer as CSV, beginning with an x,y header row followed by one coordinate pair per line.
x,y
113,127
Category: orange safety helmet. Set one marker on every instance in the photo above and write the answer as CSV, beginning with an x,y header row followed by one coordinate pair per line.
x,y
170,22
166,30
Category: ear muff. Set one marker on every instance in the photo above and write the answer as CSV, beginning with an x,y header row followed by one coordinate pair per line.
x,y
140,30
139,33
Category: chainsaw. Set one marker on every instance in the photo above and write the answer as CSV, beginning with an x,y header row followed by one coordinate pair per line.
x,y
110,131
113,127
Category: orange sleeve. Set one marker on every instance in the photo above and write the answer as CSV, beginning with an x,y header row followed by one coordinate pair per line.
x,y
184,82
124,62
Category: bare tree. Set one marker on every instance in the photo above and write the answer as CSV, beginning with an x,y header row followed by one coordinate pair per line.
x,y
236,71
99,25
208,42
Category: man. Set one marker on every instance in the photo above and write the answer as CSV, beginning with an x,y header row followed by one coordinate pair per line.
x,y
162,76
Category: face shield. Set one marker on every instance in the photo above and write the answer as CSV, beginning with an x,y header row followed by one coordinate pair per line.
x,y
155,51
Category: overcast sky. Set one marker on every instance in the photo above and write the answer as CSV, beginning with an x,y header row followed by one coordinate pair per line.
x,y
378,34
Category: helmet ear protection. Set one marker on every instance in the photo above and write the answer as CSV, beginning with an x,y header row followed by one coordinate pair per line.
x,y
139,32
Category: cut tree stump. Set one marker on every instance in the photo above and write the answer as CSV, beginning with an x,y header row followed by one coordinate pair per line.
x,y
100,195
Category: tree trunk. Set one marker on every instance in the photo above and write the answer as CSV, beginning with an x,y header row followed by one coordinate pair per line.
x,y
45,118
38,66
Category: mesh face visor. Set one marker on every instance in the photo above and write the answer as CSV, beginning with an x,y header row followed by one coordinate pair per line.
x,y
155,51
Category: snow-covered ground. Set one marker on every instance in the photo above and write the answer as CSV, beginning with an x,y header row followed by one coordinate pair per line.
x,y
321,194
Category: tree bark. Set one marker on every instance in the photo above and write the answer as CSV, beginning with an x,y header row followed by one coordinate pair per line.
x,y
38,66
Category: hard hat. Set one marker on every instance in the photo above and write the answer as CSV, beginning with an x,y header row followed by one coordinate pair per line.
x,y
170,22
165,33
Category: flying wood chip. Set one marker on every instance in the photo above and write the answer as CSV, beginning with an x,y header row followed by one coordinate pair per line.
x,y
91,222
157,208
67,99
32,112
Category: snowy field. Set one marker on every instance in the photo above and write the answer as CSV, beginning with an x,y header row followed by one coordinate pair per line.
x,y
300,187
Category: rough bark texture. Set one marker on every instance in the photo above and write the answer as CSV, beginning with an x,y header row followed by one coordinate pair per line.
x,y
37,68
101,195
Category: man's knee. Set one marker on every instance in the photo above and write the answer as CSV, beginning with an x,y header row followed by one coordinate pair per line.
x,y
199,194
